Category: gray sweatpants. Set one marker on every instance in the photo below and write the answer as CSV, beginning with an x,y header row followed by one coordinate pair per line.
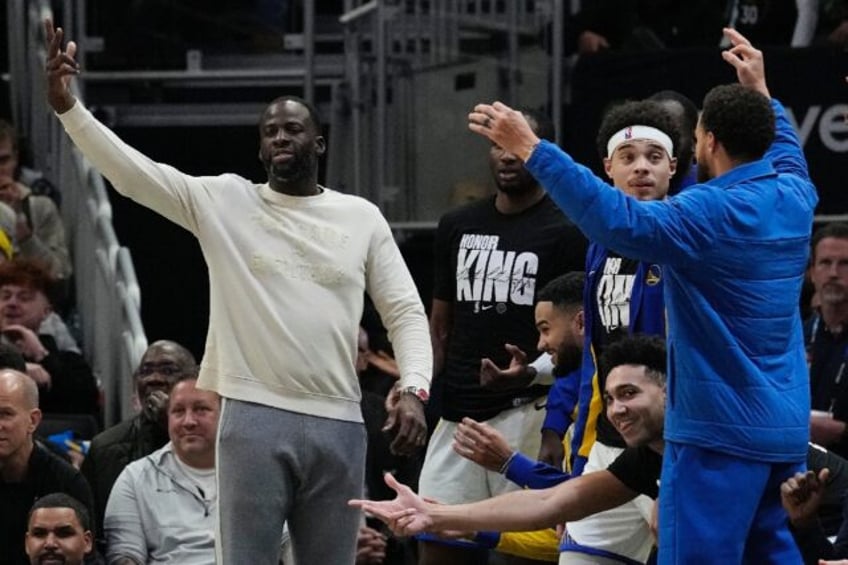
x,y
276,466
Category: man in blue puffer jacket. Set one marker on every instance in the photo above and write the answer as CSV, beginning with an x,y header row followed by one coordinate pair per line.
x,y
734,250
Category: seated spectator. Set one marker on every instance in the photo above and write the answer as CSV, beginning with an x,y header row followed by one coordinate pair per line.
x,y
27,470
58,531
65,380
162,365
162,508
39,232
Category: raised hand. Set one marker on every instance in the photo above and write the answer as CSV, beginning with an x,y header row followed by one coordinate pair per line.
x,y
61,66
406,515
482,444
516,375
505,127
801,496
747,61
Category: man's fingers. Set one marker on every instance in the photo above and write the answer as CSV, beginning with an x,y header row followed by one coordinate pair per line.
x,y
501,107
735,37
71,49
51,34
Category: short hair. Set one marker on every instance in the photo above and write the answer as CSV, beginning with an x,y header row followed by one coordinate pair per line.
x,y
564,291
639,350
29,273
11,358
183,378
639,112
690,110
314,115
184,356
837,230
8,131
544,124
30,389
741,119
62,500
685,145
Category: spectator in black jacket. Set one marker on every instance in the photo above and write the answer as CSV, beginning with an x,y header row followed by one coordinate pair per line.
x,y
162,365
65,381
27,470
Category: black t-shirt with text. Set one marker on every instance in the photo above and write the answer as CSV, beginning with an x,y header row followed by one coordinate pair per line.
x,y
611,295
490,266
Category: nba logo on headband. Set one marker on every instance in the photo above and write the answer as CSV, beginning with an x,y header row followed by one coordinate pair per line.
x,y
628,133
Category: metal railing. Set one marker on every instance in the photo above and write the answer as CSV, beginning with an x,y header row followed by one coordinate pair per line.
x,y
107,292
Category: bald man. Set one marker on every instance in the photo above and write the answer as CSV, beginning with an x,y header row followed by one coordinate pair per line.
x,y
163,364
27,470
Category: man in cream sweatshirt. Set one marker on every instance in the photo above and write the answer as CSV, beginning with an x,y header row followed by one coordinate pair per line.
x,y
289,262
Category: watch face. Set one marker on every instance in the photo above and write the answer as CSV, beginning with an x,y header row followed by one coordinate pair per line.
x,y
421,393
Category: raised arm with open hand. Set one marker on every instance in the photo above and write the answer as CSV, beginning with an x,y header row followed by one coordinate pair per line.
x,y
747,60
61,66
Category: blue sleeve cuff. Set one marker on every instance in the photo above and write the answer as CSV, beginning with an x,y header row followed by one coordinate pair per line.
x,y
488,539
520,469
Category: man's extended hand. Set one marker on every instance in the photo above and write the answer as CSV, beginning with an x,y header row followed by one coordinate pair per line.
x,y
517,375
505,127
61,66
406,515
747,61
406,421
482,444
801,496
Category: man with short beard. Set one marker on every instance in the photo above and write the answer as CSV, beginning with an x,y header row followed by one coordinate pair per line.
x,y
826,335
59,531
289,263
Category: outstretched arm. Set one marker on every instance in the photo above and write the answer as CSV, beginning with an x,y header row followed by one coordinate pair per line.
x,y
409,514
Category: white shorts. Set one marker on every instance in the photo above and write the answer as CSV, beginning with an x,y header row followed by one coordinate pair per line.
x,y
453,479
623,530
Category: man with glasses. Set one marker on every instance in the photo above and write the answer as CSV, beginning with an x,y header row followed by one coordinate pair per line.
x,y
162,365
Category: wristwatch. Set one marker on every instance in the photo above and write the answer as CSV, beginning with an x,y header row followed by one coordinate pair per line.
x,y
420,393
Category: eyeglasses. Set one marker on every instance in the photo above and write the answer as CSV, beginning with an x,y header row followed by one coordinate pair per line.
x,y
166,369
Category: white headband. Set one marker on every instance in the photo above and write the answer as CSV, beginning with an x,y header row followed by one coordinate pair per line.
x,y
631,133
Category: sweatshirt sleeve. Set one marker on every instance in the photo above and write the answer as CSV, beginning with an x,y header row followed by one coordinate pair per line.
x,y
390,286
157,186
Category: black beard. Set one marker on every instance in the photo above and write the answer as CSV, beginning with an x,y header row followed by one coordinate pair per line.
x,y
300,168
569,359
